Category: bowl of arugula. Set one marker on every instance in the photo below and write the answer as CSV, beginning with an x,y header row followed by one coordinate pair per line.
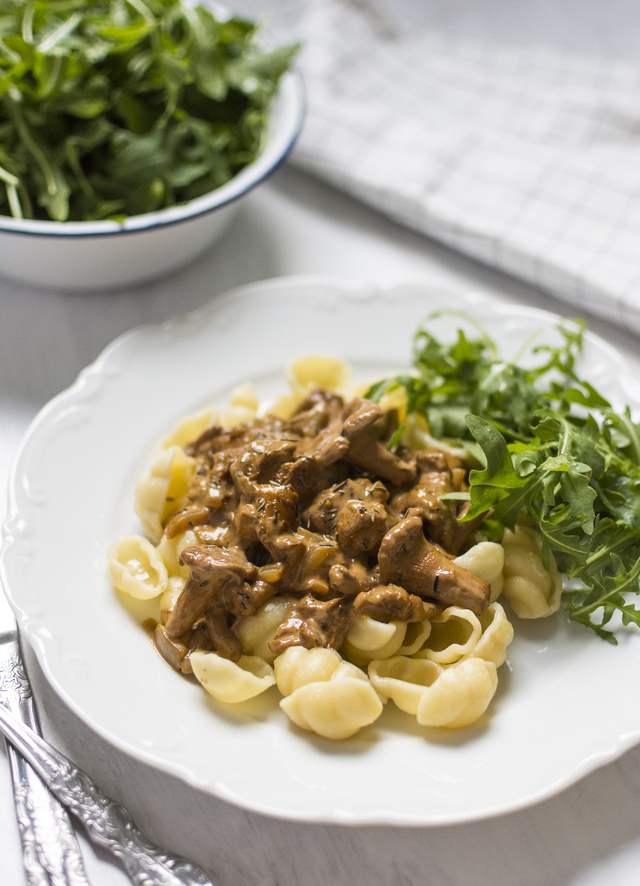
x,y
129,132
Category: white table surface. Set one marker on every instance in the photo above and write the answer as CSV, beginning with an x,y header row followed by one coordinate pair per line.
x,y
588,835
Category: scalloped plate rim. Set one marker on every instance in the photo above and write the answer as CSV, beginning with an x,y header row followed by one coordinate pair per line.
x,y
17,523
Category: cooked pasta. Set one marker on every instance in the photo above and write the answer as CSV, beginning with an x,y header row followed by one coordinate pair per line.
x,y
486,560
257,630
135,568
160,490
454,635
460,695
188,429
497,634
169,597
368,639
452,697
325,694
232,682
532,590
169,549
243,406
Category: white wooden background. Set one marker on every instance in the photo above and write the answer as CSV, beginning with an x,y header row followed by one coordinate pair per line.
x,y
587,836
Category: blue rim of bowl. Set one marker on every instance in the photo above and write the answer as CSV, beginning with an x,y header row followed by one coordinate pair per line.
x,y
291,94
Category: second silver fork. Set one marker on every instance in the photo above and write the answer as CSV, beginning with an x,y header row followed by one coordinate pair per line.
x,y
51,852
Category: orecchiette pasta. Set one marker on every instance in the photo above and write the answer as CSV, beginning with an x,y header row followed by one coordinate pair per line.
x,y
394,400
497,633
170,549
318,371
336,709
325,694
160,489
230,682
458,634
257,630
368,639
306,373
415,637
298,666
243,407
532,590
404,680
453,697
174,588
454,635
188,429
135,568
460,695
486,560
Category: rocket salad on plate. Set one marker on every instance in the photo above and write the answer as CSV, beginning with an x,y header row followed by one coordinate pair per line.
x,y
554,451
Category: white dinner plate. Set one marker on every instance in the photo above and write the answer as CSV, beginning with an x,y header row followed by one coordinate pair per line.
x,y
562,708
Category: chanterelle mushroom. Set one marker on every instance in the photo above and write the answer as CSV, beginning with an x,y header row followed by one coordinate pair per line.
x,y
213,570
407,559
365,450
392,603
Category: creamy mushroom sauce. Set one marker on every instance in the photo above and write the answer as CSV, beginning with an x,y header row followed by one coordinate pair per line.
x,y
316,508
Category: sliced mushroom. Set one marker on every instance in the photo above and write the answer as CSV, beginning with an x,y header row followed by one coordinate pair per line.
x,y
407,559
186,518
307,476
317,411
440,473
325,511
352,578
362,526
365,450
314,623
173,651
224,640
176,652
211,568
318,508
393,603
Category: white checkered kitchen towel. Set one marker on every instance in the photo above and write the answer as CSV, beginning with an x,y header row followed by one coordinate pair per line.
x,y
525,157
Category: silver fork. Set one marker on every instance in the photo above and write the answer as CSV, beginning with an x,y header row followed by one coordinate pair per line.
x,y
50,848
108,824
46,784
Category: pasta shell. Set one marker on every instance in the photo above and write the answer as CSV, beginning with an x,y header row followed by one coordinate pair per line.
x,y
135,568
230,682
459,696
335,708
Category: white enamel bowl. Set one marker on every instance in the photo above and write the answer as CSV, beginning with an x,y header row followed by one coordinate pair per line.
x,y
106,255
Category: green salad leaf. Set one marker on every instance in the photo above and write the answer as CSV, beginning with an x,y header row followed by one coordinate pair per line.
x,y
112,108
551,449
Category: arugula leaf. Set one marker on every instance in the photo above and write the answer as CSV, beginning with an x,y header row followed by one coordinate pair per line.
x,y
554,450
492,487
111,108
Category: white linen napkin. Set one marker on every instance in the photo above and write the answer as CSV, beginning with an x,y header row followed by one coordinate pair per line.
x,y
526,157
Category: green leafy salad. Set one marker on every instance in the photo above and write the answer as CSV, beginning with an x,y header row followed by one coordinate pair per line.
x,y
549,449
112,108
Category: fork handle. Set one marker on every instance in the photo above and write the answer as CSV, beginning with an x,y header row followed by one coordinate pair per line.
x,y
108,824
50,850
